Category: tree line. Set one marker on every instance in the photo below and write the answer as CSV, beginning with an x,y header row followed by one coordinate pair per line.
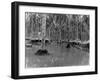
x,y
57,27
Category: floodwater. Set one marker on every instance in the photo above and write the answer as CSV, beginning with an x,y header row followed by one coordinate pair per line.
x,y
58,56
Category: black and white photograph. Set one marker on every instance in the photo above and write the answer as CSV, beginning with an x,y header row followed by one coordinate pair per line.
x,y
51,40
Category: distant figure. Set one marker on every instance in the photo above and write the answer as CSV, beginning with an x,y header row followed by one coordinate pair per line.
x,y
68,45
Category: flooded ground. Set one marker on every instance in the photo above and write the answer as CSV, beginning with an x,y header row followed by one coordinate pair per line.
x,y
58,56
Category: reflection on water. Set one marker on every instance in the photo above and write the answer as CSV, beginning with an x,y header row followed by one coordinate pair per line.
x,y
59,56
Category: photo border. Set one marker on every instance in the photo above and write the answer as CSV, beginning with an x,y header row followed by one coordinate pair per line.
x,y
15,39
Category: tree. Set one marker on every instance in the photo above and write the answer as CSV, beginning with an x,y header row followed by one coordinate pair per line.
x,y
43,28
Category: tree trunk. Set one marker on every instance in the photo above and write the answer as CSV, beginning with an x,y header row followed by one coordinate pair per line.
x,y
43,30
